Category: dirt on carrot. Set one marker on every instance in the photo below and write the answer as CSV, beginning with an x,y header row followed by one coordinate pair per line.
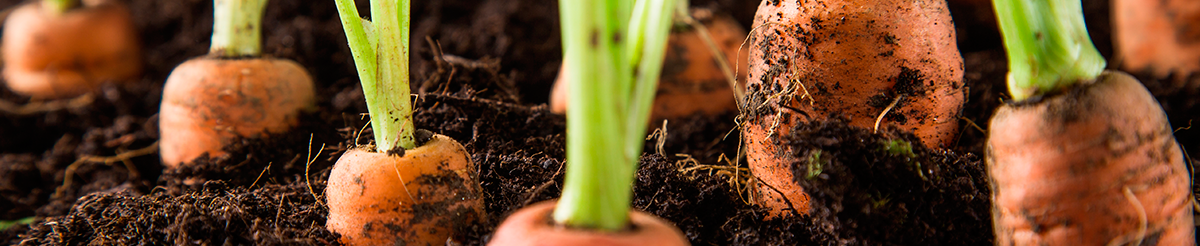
x,y
1105,146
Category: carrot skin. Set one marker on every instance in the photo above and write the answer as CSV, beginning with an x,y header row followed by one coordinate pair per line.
x,y
532,226
64,56
1159,37
418,198
210,102
1068,170
847,59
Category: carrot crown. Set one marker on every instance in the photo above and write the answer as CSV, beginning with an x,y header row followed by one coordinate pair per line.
x,y
57,7
380,48
1048,46
619,47
237,28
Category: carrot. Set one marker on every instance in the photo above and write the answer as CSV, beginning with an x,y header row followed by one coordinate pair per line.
x,y
1080,156
611,86
402,190
379,198
58,49
875,63
210,101
1161,38
692,82
529,226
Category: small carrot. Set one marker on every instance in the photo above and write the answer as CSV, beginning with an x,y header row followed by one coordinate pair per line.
x,y
611,86
409,187
692,81
1161,38
65,48
1081,156
210,101
874,63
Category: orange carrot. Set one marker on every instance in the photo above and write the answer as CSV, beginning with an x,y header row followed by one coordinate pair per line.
x,y
1096,166
410,187
380,198
210,101
852,59
532,226
691,81
1158,37
1080,156
54,52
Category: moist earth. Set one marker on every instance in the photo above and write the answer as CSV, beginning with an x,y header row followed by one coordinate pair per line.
x,y
87,170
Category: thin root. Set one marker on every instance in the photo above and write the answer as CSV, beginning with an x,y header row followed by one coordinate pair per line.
x,y
123,157
972,123
661,133
46,106
1143,222
885,111
734,175
308,161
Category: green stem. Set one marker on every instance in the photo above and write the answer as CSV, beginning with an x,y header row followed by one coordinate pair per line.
x,y
237,28
1048,46
610,105
381,53
58,7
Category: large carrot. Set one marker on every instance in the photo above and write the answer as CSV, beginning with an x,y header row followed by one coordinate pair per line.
x,y
210,101
692,80
1158,37
403,190
65,48
874,63
611,86
1080,156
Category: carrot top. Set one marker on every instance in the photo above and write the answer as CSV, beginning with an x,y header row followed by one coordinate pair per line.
x,y
618,47
57,7
237,28
1048,46
380,48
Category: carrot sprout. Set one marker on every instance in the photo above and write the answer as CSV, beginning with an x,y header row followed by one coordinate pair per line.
x,y
380,49
57,7
1048,46
237,28
618,47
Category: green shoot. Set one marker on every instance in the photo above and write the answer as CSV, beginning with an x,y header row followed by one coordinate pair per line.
x,y
618,47
237,28
58,7
1048,46
380,48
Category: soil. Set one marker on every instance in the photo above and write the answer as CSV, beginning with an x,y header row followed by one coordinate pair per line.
x,y
86,169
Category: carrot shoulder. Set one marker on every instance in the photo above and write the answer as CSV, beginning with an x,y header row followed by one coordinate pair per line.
x,y
209,102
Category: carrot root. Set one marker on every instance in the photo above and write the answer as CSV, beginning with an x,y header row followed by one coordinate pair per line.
x,y
418,198
209,102
532,226
1095,166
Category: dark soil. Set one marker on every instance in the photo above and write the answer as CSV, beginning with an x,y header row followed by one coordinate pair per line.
x,y
483,76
